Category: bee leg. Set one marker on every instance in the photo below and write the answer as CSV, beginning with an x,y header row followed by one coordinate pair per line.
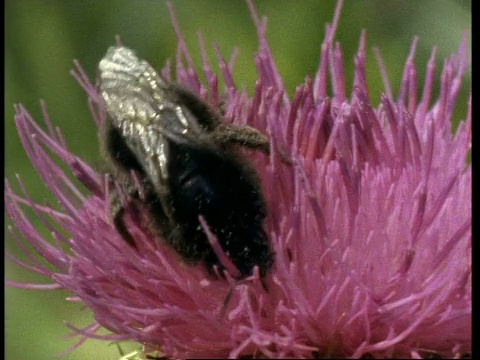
x,y
117,211
248,137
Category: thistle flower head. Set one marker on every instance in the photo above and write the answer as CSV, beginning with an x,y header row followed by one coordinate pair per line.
x,y
370,225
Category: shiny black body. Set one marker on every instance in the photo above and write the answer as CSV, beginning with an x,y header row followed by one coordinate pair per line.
x,y
187,160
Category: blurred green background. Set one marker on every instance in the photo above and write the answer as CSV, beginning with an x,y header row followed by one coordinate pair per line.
x,y
44,36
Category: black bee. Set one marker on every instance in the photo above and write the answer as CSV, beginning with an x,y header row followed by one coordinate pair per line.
x,y
188,162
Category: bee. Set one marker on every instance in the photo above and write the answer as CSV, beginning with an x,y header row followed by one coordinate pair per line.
x,y
187,160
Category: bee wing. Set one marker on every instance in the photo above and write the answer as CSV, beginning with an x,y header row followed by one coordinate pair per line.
x,y
145,109
137,97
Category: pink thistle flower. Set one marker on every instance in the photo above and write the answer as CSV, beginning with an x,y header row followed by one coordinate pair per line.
x,y
371,226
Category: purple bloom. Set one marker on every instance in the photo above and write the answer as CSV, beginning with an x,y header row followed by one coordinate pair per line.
x,y
371,225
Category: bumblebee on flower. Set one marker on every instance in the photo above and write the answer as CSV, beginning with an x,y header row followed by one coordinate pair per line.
x,y
369,230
